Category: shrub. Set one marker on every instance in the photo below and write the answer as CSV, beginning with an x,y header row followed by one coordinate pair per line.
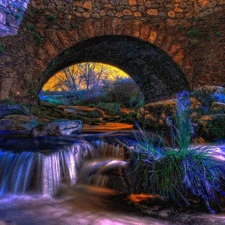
x,y
110,108
93,114
37,38
193,33
181,27
1,49
128,118
92,105
176,173
218,33
124,91
52,18
140,104
73,25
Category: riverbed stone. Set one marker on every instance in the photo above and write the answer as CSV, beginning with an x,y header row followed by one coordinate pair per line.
x,y
18,122
57,128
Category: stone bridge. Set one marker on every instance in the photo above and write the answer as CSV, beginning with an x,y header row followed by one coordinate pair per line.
x,y
164,45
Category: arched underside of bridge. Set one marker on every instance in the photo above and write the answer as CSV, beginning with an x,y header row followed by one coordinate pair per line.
x,y
154,71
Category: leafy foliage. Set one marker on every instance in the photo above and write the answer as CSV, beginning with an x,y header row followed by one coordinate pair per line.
x,y
1,49
128,118
180,172
193,33
110,108
37,38
52,18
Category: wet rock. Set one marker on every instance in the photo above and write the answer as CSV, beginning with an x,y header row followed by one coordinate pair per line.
x,y
157,115
208,89
57,128
218,107
8,108
18,122
154,115
212,127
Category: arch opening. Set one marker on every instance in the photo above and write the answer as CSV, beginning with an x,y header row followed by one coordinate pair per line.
x,y
153,70
92,83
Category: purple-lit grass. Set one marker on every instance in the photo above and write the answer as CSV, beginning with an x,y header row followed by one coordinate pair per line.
x,y
177,173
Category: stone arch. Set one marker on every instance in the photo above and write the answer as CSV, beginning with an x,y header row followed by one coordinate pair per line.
x,y
154,71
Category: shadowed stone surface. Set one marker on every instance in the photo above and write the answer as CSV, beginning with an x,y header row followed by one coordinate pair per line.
x,y
57,128
154,71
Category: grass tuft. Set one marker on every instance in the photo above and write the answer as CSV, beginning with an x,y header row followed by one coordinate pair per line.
x,y
177,173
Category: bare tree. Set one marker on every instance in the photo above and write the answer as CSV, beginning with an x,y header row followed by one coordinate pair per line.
x,y
91,75
69,82
85,76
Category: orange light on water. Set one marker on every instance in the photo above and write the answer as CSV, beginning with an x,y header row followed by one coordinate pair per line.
x,y
141,197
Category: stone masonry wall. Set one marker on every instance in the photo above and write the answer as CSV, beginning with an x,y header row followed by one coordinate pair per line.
x,y
131,9
11,14
192,32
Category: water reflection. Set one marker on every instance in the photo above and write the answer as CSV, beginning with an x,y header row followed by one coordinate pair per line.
x,y
81,206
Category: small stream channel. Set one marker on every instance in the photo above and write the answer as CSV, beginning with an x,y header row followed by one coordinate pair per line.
x,y
63,181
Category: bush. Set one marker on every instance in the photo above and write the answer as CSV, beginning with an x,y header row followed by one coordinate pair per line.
x,y
177,173
124,91
128,118
92,105
110,108
93,114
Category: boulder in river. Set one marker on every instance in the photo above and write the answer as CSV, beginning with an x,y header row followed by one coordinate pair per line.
x,y
57,128
18,122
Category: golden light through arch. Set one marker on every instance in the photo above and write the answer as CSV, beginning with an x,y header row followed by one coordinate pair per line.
x,y
111,72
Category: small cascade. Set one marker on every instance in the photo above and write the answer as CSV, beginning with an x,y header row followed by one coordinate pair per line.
x,y
16,171
41,172
44,164
99,180
108,156
109,150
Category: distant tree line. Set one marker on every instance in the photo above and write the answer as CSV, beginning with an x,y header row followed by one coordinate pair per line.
x,y
91,83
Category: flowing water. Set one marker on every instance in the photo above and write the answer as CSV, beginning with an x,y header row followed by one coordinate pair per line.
x,y
62,181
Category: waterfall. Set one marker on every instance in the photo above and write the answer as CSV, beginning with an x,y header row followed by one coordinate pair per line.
x,y
40,172
106,157
108,150
43,169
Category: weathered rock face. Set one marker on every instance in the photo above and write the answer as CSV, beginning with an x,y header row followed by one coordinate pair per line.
x,y
212,127
57,128
11,14
7,108
157,115
18,122
209,89
207,113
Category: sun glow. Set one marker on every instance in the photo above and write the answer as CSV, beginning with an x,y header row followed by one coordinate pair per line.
x,y
108,73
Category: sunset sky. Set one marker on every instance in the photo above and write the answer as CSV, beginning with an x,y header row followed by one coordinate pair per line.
x,y
110,72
